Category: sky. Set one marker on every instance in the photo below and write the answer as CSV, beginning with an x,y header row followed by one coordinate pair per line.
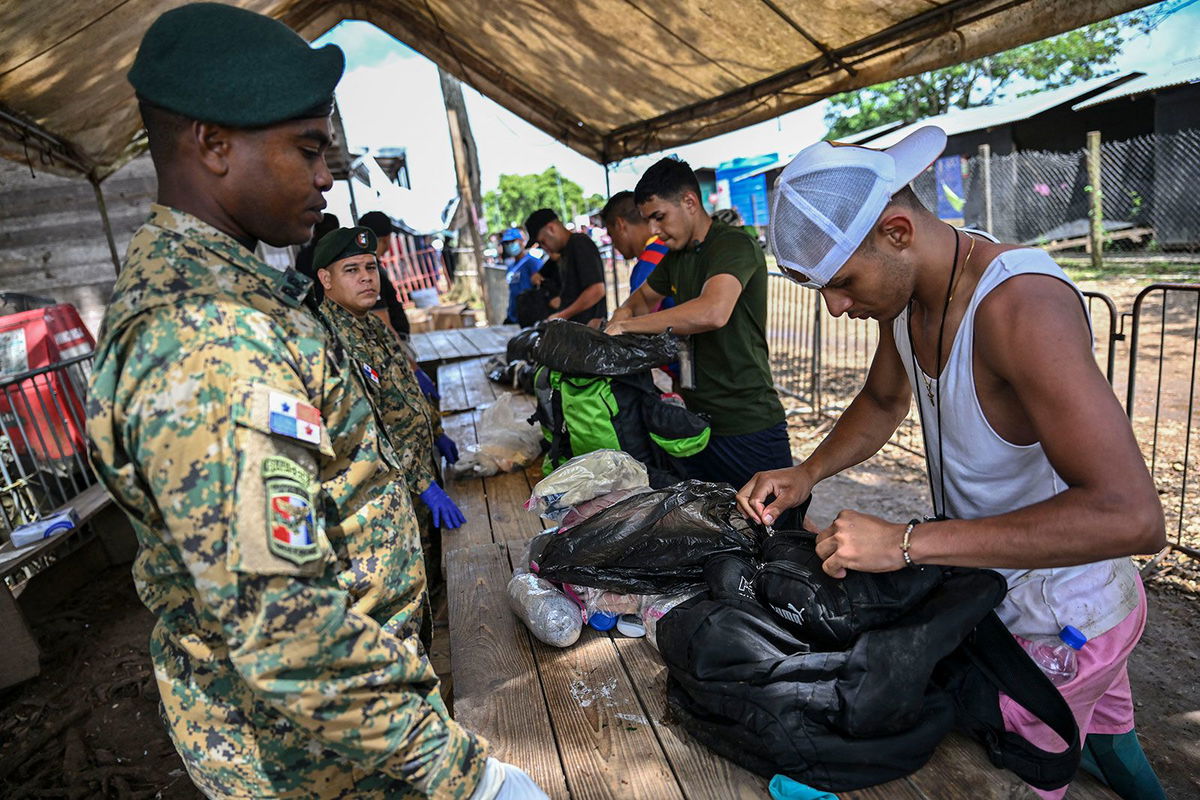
x,y
390,96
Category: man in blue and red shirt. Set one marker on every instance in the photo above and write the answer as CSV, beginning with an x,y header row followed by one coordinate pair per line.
x,y
631,238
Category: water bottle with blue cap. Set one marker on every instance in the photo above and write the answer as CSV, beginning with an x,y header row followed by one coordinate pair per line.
x,y
1058,657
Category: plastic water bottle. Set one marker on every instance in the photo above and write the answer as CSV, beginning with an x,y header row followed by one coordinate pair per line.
x,y
1057,657
550,616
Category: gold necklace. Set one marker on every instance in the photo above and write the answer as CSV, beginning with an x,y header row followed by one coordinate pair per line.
x,y
949,299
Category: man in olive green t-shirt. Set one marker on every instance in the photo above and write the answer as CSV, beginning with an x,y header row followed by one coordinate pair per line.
x,y
718,277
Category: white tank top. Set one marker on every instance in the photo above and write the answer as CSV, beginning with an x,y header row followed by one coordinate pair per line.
x,y
987,475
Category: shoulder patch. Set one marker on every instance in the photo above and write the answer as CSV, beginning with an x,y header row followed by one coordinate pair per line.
x,y
290,417
291,524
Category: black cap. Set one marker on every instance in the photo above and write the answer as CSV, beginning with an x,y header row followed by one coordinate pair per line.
x,y
379,222
538,220
343,243
222,64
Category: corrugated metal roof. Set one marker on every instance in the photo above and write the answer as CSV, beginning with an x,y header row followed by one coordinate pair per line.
x,y
981,117
1178,74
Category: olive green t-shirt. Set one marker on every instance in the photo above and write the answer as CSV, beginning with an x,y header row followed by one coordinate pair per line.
x,y
733,373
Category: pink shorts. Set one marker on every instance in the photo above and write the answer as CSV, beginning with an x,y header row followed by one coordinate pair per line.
x,y
1099,693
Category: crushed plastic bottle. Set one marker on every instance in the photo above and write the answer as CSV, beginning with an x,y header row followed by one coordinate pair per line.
x,y
1057,657
550,616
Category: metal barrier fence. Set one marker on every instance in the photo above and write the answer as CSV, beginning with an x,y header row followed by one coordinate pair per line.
x,y
1160,398
43,455
823,361
410,268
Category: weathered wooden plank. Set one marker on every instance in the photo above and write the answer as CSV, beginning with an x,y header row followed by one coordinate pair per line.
x,y
445,345
466,344
478,390
497,691
702,774
609,747
469,494
450,387
424,348
959,769
506,495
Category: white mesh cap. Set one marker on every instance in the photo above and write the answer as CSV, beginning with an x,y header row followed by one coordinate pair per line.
x,y
829,196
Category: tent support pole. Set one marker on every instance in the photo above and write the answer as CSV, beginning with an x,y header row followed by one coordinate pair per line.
x,y
607,186
108,234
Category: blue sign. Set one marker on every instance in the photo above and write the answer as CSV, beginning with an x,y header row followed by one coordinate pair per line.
x,y
748,194
951,197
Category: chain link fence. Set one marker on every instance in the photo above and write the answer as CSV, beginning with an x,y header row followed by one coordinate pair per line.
x,y
1147,189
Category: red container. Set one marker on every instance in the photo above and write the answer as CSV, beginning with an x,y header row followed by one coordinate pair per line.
x,y
43,415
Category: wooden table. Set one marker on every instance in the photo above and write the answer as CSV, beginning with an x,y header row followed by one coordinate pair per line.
x,y
456,343
588,721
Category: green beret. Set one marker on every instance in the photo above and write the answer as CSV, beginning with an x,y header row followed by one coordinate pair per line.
x,y
343,243
217,63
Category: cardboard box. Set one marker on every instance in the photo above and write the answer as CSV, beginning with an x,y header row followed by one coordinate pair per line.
x,y
446,317
419,320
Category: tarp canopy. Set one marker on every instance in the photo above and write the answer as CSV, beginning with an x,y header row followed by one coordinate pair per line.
x,y
609,78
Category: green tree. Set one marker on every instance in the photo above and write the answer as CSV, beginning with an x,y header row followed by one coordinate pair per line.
x,y
517,196
1052,63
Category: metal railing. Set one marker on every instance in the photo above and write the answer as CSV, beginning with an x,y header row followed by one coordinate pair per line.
x,y
43,456
1160,399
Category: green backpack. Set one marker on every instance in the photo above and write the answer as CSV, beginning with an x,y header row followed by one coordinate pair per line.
x,y
580,414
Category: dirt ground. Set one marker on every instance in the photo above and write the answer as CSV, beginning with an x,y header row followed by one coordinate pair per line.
x,y
88,727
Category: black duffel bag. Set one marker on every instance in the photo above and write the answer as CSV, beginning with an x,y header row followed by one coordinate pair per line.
x,y
843,697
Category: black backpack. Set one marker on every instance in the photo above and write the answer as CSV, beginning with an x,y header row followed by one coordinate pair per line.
x,y
844,684
533,305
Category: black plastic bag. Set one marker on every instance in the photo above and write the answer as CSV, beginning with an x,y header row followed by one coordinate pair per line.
x,y
517,374
652,543
576,349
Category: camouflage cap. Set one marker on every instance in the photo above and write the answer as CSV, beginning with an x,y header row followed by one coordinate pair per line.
x,y
222,64
343,243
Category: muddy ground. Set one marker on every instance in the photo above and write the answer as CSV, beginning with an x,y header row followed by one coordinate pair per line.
x,y
88,727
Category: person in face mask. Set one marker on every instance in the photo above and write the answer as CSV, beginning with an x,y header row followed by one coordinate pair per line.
x,y
521,267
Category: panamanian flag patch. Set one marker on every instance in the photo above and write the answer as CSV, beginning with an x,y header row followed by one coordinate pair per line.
x,y
294,419
371,374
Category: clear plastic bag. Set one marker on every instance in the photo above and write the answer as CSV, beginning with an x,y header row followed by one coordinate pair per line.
x,y
548,614
507,442
584,478
655,606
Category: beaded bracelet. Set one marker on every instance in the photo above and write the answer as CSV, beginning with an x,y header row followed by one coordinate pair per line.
x,y
905,543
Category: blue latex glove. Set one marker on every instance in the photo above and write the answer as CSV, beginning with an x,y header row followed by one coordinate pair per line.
x,y
427,386
446,447
445,513
784,788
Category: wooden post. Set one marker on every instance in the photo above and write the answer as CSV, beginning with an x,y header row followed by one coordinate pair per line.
x,y
108,234
456,110
985,158
339,133
1096,204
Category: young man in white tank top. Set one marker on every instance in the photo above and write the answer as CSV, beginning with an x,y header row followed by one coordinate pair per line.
x,y
1033,465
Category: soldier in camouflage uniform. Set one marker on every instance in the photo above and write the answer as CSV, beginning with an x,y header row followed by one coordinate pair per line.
x,y
277,547
347,266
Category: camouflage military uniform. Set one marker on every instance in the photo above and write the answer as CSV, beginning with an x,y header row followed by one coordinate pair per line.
x,y
409,420
279,558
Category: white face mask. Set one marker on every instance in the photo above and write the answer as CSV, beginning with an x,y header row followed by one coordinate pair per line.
x,y
512,248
